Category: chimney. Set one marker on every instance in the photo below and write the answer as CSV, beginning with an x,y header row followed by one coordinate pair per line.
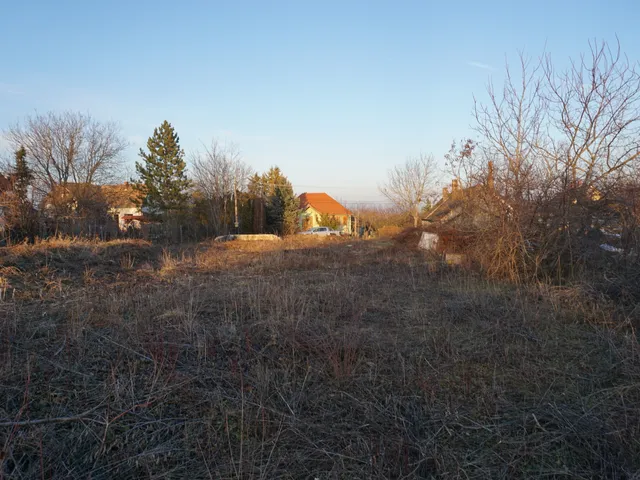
x,y
490,183
455,185
445,193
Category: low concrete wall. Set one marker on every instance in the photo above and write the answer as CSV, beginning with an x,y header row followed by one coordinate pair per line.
x,y
248,238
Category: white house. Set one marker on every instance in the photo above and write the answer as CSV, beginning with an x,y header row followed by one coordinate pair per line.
x,y
123,204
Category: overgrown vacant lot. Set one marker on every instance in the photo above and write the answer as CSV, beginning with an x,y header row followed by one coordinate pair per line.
x,y
328,360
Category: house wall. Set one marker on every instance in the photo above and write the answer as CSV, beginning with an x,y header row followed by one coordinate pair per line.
x,y
311,217
120,212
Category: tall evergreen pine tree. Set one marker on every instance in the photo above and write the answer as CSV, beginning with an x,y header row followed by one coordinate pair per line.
x,y
289,210
282,206
162,177
19,215
23,176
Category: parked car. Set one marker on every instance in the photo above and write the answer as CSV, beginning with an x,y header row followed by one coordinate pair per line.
x,y
321,231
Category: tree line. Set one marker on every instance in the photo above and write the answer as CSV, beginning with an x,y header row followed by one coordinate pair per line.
x,y
61,160
556,151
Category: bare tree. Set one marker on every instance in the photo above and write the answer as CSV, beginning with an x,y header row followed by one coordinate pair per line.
x,y
69,147
564,143
511,126
595,109
219,172
409,185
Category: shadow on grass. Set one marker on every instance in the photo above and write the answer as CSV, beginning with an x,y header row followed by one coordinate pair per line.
x,y
333,359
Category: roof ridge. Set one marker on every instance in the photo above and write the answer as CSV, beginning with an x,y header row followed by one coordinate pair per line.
x,y
323,203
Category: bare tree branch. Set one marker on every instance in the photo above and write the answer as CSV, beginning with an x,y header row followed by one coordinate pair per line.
x,y
218,172
69,147
595,110
511,127
409,184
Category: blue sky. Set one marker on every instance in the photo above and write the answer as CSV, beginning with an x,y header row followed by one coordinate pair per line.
x,y
333,92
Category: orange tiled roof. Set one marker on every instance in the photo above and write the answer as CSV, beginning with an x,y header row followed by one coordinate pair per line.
x,y
322,203
73,189
120,196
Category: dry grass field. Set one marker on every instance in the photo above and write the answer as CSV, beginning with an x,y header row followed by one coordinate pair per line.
x,y
304,359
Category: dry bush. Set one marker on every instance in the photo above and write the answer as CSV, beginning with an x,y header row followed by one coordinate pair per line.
x,y
389,231
553,169
311,359
409,236
381,216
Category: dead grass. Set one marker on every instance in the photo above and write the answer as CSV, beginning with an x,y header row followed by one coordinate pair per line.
x,y
308,358
389,231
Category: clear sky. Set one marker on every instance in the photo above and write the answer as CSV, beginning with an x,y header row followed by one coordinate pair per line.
x,y
333,92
